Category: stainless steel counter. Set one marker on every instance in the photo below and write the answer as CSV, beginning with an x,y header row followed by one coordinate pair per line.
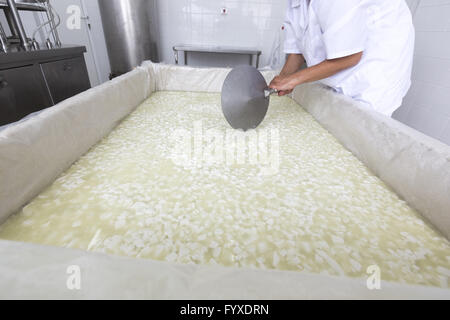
x,y
252,52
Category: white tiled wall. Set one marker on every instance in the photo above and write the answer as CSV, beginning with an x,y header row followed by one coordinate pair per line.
x,y
427,105
249,23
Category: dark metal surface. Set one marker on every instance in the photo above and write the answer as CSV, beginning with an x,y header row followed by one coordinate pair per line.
x,y
66,78
34,80
19,57
244,100
22,91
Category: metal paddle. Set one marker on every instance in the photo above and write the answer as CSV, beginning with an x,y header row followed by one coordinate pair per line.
x,y
245,98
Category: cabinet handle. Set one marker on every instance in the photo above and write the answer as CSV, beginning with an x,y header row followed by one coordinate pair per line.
x,y
67,67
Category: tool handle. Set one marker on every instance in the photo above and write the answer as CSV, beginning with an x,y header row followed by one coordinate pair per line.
x,y
268,92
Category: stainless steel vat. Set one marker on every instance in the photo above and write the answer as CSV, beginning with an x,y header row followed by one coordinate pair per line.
x,y
131,33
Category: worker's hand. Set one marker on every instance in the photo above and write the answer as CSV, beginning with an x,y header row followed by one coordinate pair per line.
x,y
283,84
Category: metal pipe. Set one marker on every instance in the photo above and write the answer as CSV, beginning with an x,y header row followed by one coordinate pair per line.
x,y
18,22
3,39
175,53
11,23
53,27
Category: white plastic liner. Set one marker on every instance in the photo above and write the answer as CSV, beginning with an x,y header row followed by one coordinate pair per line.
x,y
36,151
416,166
33,153
31,271
175,78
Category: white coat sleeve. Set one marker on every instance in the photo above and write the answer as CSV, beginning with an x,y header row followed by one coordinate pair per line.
x,y
292,44
344,25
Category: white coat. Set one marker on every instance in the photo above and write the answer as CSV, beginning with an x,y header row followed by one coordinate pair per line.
x,y
382,29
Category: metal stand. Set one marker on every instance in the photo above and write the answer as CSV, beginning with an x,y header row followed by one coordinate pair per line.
x,y
19,25
3,39
19,37
53,27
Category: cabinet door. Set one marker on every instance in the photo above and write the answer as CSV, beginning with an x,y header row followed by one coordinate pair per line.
x,y
66,78
22,91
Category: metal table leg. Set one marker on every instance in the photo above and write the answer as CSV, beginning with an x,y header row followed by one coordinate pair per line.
x,y
175,53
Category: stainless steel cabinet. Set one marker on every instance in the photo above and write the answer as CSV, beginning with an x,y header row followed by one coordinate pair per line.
x,y
22,91
66,78
35,80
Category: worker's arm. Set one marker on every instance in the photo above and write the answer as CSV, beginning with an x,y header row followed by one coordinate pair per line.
x,y
293,64
286,82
